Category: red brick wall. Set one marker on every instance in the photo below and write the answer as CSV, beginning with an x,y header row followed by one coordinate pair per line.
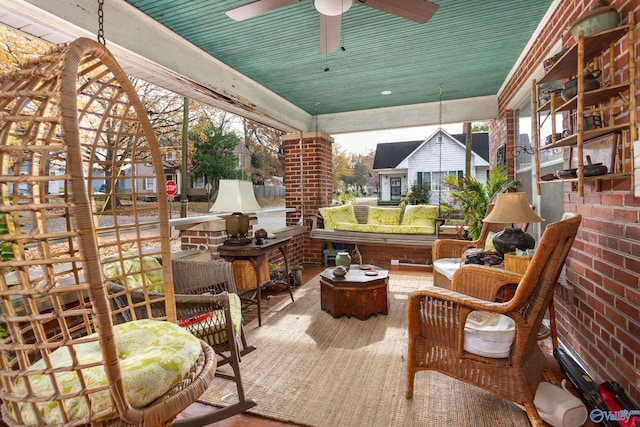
x,y
308,184
598,316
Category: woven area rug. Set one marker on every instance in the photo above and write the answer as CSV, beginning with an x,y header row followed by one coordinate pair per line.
x,y
315,370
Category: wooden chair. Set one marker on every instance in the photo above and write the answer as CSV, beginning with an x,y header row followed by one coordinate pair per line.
x,y
71,122
448,251
436,322
192,281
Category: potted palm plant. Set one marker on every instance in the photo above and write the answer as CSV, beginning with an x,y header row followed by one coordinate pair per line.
x,y
474,196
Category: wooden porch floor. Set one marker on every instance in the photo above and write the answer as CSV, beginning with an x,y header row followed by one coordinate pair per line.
x,y
308,273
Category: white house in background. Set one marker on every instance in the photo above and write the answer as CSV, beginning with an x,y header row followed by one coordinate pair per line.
x,y
399,165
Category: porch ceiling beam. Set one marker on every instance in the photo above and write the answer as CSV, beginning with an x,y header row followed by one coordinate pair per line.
x,y
455,111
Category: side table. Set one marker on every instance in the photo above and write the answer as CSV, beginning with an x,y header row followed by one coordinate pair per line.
x,y
355,294
256,254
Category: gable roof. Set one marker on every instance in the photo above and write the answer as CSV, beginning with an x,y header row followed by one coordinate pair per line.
x,y
390,154
479,143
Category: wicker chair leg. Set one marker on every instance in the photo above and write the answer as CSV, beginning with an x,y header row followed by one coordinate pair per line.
x,y
534,416
411,374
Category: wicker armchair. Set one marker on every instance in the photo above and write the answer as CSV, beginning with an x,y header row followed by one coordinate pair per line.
x,y
71,123
436,321
448,251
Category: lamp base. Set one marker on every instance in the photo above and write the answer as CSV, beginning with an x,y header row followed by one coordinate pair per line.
x,y
510,239
237,242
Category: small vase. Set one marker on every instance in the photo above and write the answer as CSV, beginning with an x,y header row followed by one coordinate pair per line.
x,y
343,259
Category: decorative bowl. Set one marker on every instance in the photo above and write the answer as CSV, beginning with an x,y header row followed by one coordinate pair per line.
x,y
596,20
339,271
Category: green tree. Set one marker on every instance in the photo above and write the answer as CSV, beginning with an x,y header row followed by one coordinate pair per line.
x,y
361,175
480,127
474,196
341,170
213,156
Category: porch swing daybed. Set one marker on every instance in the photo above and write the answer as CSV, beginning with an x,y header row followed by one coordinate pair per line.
x,y
415,225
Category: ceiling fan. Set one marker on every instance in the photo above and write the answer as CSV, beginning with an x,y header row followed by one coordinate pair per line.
x,y
331,11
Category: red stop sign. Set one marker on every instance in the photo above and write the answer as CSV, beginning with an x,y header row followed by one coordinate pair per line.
x,y
171,187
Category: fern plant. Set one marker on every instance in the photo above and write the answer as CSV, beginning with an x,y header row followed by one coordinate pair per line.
x,y
474,196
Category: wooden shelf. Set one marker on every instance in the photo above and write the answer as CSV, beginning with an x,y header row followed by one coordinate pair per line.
x,y
587,135
592,97
565,67
622,175
603,102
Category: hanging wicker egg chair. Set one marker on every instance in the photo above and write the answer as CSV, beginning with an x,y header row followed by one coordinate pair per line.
x,y
78,158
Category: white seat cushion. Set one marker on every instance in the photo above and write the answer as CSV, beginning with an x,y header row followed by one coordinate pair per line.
x,y
446,266
489,334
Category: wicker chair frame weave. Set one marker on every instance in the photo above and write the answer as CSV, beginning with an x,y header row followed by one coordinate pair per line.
x,y
436,320
71,123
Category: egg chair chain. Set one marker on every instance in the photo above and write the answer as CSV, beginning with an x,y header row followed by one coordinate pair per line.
x,y
101,23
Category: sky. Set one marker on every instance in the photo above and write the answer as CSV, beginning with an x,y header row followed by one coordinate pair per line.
x,y
363,142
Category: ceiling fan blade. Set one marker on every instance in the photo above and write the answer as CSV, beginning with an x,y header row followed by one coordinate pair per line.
x,y
419,11
256,8
330,33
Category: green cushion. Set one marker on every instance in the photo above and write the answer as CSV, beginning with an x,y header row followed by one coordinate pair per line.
x,y
420,215
335,214
132,273
395,229
488,245
383,216
154,356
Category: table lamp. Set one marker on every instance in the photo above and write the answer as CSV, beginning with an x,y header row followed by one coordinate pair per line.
x,y
237,198
512,208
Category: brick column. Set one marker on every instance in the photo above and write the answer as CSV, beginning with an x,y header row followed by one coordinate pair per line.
x,y
308,183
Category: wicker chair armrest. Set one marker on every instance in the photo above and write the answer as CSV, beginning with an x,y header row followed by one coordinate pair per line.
x,y
485,283
439,315
450,248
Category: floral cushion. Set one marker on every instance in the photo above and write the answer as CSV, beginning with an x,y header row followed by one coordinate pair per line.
x,y
421,215
212,327
132,273
383,216
488,245
397,229
335,214
154,356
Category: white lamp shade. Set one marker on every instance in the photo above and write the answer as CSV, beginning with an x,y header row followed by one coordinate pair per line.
x,y
512,208
332,7
235,196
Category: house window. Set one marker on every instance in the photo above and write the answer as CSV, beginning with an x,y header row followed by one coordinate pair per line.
x,y
149,184
436,181
198,182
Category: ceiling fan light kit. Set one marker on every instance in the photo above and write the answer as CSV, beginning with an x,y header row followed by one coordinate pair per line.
x,y
332,7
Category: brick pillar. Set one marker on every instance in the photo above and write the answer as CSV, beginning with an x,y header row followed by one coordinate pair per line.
x,y
308,183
